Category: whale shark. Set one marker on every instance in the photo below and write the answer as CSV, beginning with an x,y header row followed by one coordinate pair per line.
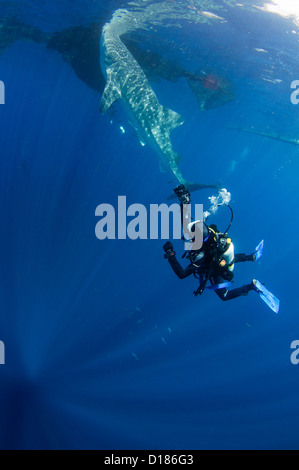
x,y
80,47
125,80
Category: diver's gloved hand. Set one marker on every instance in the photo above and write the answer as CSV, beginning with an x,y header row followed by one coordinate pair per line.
x,y
183,194
168,248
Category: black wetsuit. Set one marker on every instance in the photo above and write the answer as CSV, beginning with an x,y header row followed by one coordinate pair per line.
x,y
208,267
216,276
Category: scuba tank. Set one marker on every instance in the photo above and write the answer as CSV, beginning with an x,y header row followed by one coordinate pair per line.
x,y
225,248
217,250
223,253
221,246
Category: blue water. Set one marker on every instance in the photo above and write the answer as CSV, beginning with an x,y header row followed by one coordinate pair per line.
x,y
105,347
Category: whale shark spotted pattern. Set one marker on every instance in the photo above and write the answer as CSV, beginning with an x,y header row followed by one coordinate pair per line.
x,y
127,81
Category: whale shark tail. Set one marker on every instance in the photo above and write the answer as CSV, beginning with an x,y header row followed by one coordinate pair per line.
x,y
197,186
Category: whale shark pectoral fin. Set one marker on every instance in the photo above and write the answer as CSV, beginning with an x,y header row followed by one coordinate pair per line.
x,y
173,119
111,94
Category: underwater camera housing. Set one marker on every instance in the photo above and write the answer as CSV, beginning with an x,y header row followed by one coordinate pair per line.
x,y
183,194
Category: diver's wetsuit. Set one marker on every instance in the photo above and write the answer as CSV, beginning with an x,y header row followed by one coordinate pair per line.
x,y
215,278
205,266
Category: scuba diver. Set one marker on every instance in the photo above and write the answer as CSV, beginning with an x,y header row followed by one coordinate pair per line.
x,y
214,262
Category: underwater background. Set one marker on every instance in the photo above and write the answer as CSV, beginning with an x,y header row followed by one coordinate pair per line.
x,y
104,347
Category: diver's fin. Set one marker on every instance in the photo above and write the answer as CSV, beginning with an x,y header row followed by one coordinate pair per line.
x,y
259,250
195,187
111,94
267,297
